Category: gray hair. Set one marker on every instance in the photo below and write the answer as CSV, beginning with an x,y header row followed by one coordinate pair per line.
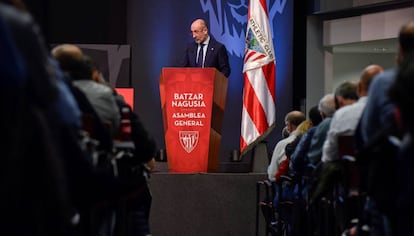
x,y
327,105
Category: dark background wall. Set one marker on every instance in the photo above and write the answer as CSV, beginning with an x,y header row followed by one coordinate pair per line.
x,y
77,21
158,31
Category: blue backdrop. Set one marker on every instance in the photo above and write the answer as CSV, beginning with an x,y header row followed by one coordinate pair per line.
x,y
158,32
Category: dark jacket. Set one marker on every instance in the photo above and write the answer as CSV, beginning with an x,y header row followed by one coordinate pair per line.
x,y
216,56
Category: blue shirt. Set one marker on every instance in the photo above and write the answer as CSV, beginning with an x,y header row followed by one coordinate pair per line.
x,y
379,110
315,149
298,160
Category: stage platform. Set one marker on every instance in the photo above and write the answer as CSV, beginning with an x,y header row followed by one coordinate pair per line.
x,y
204,204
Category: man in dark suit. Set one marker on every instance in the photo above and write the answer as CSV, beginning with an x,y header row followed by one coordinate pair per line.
x,y
205,51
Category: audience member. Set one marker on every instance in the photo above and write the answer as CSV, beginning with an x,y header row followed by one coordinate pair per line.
x,y
298,160
376,147
73,61
137,206
314,118
290,148
300,130
292,121
327,108
345,119
36,195
345,94
142,162
401,94
379,110
285,132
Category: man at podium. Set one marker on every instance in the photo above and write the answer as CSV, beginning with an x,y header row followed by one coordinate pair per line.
x,y
205,51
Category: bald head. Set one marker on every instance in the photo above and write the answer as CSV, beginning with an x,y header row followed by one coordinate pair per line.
x,y
199,30
367,75
67,50
199,23
72,61
293,120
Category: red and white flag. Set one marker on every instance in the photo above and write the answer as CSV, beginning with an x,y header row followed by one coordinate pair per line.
x,y
259,111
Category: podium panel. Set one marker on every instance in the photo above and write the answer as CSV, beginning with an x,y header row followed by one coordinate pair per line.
x,y
192,101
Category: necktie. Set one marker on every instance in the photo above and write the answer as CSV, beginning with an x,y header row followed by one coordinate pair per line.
x,y
200,56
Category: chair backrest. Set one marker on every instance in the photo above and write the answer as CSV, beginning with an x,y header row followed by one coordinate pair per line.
x,y
346,146
347,153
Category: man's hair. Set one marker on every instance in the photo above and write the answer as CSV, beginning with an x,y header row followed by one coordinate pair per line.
x,y
406,38
347,90
295,118
327,105
315,116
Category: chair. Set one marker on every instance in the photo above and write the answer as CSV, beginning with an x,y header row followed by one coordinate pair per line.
x,y
264,204
348,198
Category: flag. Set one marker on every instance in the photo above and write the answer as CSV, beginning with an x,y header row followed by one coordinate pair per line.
x,y
259,110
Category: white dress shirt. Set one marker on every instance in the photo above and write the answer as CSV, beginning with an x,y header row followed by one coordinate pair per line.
x,y
344,122
279,155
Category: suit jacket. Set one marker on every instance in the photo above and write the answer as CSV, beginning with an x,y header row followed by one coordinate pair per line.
x,y
216,56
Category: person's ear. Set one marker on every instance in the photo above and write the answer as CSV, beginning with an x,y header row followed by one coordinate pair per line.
x,y
96,76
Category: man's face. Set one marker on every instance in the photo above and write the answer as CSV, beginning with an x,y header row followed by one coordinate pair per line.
x,y
199,32
289,126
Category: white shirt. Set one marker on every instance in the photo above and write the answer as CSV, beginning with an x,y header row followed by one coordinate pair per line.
x,y
344,122
279,155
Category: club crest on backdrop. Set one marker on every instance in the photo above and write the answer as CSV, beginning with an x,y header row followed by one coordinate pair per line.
x,y
228,21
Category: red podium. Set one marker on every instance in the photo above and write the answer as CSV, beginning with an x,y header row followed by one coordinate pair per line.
x,y
192,102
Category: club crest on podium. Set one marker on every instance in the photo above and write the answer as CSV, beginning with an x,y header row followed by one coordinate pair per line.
x,y
188,140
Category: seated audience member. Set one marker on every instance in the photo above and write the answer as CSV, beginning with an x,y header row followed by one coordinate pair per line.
x,y
298,160
379,110
376,136
314,119
401,93
345,94
290,147
285,132
300,130
77,65
327,108
141,163
283,189
345,119
292,120
35,195
49,119
99,101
